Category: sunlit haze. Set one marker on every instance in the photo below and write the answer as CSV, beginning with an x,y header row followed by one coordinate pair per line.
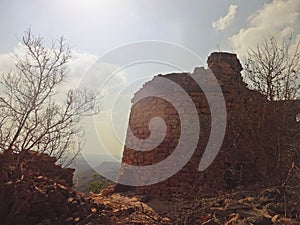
x,y
94,28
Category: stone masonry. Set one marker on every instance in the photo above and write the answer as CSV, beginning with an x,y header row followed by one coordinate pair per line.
x,y
251,152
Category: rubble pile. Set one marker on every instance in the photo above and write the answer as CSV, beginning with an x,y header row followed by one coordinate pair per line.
x,y
40,192
252,206
125,209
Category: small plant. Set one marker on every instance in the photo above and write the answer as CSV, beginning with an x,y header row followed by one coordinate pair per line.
x,y
97,184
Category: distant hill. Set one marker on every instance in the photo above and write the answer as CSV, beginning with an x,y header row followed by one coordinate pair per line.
x,y
85,173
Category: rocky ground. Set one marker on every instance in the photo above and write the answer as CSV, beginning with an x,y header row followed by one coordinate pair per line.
x,y
41,192
252,206
125,209
255,205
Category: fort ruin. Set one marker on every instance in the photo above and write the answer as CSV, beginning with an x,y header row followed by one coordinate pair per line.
x,y
259,146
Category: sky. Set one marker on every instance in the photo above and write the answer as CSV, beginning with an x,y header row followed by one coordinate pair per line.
x,y
96,28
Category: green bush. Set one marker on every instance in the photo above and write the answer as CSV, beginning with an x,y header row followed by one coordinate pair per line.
x,y
97,184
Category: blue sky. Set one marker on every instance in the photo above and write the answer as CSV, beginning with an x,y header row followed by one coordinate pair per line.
x,y
95,27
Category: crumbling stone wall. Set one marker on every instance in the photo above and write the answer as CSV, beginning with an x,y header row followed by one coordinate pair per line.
x,y
250,148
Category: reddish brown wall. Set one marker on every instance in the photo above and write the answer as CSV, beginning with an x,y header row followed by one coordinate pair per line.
x,y
248,152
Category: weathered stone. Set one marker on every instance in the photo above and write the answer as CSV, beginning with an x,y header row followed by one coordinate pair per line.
x,y
248,151
263,221
40,196
210,222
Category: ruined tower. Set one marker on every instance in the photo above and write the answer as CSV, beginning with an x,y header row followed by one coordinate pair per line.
x,y
249,148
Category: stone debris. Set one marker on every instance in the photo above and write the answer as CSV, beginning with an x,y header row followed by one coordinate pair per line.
x,y
126,209
251,206
43,193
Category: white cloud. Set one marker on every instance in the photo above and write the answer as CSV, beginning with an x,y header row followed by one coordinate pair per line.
x,y
7,60
78,63
278,18
78,66
6,63
87,71
224,22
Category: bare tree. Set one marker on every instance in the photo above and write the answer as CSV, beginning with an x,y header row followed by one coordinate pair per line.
x,y
273,69
31,118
